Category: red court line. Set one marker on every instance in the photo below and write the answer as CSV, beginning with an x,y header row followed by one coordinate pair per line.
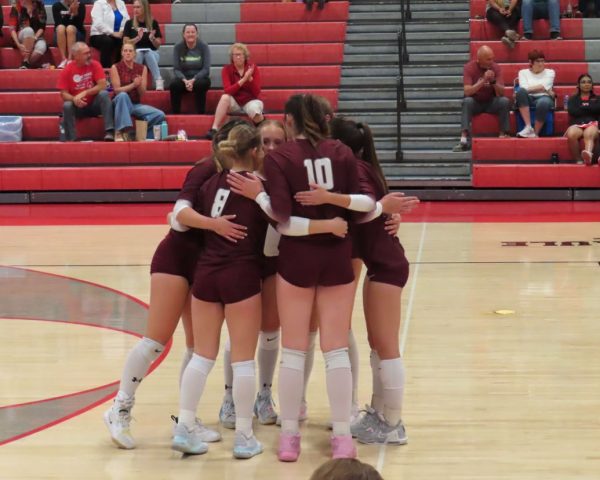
x,y
155,213
154,365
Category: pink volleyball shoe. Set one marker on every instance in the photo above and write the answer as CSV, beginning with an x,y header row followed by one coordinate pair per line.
x,y
342,446
289,447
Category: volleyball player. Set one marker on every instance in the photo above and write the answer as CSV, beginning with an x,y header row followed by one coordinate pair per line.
x,y
313,271
387,274
171,275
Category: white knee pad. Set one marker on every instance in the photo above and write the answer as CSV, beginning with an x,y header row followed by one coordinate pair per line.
x,y
202,364
293,359
392,373
337,359
243,369
150,349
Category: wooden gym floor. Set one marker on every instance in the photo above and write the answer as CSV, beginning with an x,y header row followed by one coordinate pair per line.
x,y
501,335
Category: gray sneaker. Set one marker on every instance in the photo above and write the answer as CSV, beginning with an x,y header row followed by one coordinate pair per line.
x,y
187,440
264,407
381,432
366,420
206,434
227,413
246,447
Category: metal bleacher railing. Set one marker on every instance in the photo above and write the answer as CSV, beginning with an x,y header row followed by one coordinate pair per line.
x,y
402,59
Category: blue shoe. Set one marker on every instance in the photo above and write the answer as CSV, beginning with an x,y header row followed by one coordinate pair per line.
x,y
227,413
246,447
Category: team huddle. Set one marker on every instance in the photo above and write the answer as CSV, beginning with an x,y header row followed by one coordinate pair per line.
x,y
269,234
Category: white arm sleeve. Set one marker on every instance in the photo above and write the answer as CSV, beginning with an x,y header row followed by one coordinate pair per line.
x,y
264,202
294,227
372,215
178,207
361,203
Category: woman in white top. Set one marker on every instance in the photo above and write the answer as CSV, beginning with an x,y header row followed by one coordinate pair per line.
x,y
106,35
536,88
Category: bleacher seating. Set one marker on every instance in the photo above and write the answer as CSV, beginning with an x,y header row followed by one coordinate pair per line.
x,y
526,163
297,51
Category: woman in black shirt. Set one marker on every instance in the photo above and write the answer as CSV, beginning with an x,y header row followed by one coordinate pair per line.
x,y
68,26
584,108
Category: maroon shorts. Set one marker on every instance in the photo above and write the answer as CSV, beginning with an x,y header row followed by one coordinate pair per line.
x,y
177,255
231,283
309,264
393,272
382,253
269,267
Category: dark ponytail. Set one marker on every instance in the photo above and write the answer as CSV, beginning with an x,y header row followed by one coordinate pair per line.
x,y
359,138
308,116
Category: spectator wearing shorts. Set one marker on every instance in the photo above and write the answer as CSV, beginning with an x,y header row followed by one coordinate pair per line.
x,y
241,86
28,23
68,26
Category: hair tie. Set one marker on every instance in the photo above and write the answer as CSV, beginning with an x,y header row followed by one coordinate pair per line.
x,y
359,125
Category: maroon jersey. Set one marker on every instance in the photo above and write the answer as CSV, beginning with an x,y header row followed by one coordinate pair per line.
x,y
316,259
196,177
381,252
295,164
216,199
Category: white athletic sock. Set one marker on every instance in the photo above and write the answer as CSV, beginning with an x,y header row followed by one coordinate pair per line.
x,y
138,361
339,389
187,356
291,373
310,359
354,365
268,350
227,370
244,390
377,395
392,378
192,386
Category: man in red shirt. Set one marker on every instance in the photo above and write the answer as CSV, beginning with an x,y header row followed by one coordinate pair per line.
x,y
484,92
241,84
82,85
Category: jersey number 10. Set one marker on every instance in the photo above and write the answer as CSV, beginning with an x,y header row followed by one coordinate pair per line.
x,y
319,171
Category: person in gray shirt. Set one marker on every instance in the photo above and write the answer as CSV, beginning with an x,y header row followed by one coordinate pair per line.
x,y
191,67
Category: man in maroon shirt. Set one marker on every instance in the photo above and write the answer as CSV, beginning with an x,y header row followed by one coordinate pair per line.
x,y
484,92
82,85
241,86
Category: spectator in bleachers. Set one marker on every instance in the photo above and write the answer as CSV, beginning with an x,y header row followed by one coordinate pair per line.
x,y
28,22
584,108
129,80
320,4
82,85
144,32
505,14
241,86
589,8
69,16
535,9
106,35
536,87
484,93
191,67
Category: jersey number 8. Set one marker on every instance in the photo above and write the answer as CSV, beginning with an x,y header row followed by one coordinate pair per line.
x,y
319,171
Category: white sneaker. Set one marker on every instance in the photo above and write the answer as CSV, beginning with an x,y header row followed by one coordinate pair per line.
x,y
246,447
264,407
160,84
117,419
63,64
187,440
206,434
227,413
527,132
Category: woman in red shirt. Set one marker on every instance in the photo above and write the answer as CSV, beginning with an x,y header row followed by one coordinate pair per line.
x,y
241,86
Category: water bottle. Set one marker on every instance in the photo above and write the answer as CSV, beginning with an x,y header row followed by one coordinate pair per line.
x,y
566,102
164,130
569,13
61,130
